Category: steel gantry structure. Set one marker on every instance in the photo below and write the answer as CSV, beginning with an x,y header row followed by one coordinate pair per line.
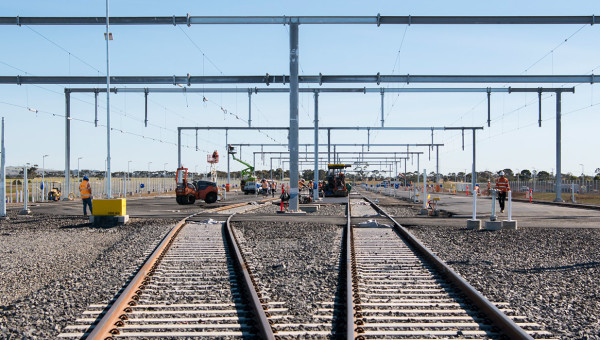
x,y
294,79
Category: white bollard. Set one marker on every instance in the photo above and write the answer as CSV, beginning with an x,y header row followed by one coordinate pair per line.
x,y
510,223
509,205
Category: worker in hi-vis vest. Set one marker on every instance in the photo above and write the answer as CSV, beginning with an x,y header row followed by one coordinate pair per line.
x,y
86,194
503,187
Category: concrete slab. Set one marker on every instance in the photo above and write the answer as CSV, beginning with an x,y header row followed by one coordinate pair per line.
x,y
511,225
474,224
309,207
493,225
108,221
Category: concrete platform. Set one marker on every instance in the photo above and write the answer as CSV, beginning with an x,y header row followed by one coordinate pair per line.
x,y
511,225
474,224
309,207
108,221
493,225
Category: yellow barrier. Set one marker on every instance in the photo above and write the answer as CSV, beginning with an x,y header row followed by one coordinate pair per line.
x,y
112,207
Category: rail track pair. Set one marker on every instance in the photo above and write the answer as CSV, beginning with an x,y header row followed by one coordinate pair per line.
x,y
199,283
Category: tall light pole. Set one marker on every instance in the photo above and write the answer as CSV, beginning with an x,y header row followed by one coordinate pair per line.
x,y
43,177
582,179
149,175
128,179
79,158
164,176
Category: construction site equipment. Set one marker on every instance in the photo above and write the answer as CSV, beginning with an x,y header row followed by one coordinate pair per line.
x,y
55,193
335,182
188,192
247,181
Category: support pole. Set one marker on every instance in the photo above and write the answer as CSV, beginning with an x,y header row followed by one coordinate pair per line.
x,y
558,188
474,179
228,174
179,147
67,188
294,90
96,108
146,108
249,107
3,177
418,171
489,93
424,192
437,166
382,96
540,107
328,146
316,148
108,172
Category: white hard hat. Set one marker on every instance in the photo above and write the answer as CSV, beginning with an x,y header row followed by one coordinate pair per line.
x,y
501,173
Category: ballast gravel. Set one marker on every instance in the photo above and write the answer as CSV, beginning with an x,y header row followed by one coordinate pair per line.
x,y
53,267
298,262
324,210
550,275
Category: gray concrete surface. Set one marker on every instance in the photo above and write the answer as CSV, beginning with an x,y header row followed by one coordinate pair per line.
x,y
527,214
159,206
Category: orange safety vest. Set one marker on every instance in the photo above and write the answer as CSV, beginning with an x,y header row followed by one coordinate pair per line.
x,y
264,185
85,189
502,184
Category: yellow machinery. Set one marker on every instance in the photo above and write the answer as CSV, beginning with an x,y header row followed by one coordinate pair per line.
x,y
54,193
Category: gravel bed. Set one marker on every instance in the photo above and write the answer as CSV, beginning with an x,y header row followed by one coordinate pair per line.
x,y
324,210
550,275
297,262
53,267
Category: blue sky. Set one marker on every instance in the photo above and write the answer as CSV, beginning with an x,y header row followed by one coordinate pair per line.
x,y
513,140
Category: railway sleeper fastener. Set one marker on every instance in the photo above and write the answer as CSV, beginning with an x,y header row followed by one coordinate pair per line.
x,y
119,323
268,315
138,292
271,322
357,301
358,315
132,303
359,322
127,310
358,308
360,337
360,330
114,331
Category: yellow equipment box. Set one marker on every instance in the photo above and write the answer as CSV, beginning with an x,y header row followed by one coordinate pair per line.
x,y
112,207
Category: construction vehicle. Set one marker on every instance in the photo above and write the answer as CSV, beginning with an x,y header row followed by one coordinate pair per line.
x,y
55,193
188,192
248,181
335,181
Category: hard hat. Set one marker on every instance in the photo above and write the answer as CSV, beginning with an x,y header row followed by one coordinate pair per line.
x,y
85,178
501,173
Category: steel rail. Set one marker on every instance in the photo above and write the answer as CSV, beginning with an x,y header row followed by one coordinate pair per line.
x,y
504,323
378,20
312,79
350,268
114,317
249,285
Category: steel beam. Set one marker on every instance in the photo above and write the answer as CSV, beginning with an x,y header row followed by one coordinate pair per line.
x,y
67,188
306,79
341,144
316,151
294,124
394,128
363,90
378,20
558,180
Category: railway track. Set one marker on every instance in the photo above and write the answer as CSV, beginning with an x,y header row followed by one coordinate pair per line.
x,y
194,285
402,290
199,283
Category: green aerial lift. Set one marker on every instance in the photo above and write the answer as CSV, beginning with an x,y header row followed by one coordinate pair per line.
x,y
248,181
